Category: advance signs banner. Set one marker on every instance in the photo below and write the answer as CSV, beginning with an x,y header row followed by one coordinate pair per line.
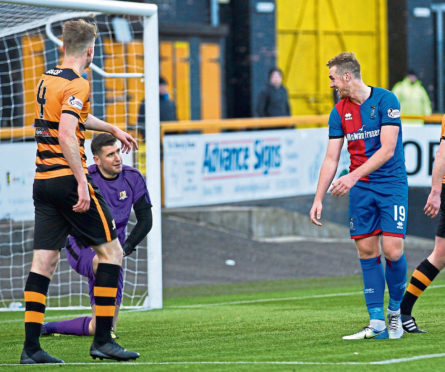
x,y
226,167
230,167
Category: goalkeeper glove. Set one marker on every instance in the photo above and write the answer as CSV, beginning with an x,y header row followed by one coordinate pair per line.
x,y
128,249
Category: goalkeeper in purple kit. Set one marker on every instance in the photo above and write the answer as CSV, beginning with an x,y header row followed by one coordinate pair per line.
x,y
123,188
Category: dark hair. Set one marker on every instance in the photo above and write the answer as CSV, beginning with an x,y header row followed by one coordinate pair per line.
x,y
275,69
101,140
345,62
162,81
411,72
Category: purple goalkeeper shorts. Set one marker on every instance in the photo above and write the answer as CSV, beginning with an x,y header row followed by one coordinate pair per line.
x,y
81,260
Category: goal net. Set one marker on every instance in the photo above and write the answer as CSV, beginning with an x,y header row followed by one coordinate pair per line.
x,y
123,78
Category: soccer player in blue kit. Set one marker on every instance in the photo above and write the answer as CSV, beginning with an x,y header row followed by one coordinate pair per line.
x,y
123,188
369,118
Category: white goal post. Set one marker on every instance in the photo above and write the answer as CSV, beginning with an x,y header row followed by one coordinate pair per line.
x,y
150,77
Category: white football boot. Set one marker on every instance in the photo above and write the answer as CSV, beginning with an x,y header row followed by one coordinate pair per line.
x,y
395,328
367,333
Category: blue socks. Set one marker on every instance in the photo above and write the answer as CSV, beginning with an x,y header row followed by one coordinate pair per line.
x,y
374,282
396,280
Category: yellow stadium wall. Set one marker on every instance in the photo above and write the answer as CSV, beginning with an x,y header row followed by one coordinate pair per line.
x,y
175,68
310,32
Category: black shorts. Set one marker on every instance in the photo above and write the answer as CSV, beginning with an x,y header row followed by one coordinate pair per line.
x,y
441,226
54,199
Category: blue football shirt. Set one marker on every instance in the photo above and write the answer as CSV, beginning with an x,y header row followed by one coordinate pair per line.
x,y
361,125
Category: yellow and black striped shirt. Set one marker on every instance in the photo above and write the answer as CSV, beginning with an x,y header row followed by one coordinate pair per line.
x,y
442,138
60,90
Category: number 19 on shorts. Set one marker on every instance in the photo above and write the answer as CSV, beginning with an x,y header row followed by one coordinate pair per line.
x,y
399,213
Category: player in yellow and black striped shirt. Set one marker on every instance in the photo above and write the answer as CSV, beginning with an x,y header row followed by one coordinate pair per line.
x,y
65,200
60,91
428,269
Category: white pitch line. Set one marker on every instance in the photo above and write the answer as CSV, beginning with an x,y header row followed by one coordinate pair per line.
x,y
278,299
264,300
379,362
403,360
261,300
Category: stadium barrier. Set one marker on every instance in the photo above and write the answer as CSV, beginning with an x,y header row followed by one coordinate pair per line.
x,y
203,126
303,121
219,125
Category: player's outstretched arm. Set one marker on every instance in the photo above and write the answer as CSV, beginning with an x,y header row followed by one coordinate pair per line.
x,y
144,218
70,148
388,140
126,139
433,202
327,173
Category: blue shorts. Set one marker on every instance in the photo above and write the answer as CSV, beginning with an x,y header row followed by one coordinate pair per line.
x,y
378,208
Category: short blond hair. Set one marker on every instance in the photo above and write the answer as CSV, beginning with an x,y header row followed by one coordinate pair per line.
x,y
346,62
78,36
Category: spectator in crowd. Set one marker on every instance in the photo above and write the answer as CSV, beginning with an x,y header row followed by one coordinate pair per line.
x,y
273,99
167,107
413,98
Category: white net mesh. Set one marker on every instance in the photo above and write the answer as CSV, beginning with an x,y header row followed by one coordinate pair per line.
x,y
25,53
19,18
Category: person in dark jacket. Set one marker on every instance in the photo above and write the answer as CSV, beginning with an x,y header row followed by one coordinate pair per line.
x,y
273,99
167,107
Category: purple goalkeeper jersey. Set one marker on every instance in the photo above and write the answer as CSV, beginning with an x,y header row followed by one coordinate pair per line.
x,y
120,193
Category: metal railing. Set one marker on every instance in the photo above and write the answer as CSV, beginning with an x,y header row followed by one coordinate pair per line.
x,y
221,125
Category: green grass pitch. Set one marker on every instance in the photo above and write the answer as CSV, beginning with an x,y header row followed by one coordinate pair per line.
x,y
281,325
